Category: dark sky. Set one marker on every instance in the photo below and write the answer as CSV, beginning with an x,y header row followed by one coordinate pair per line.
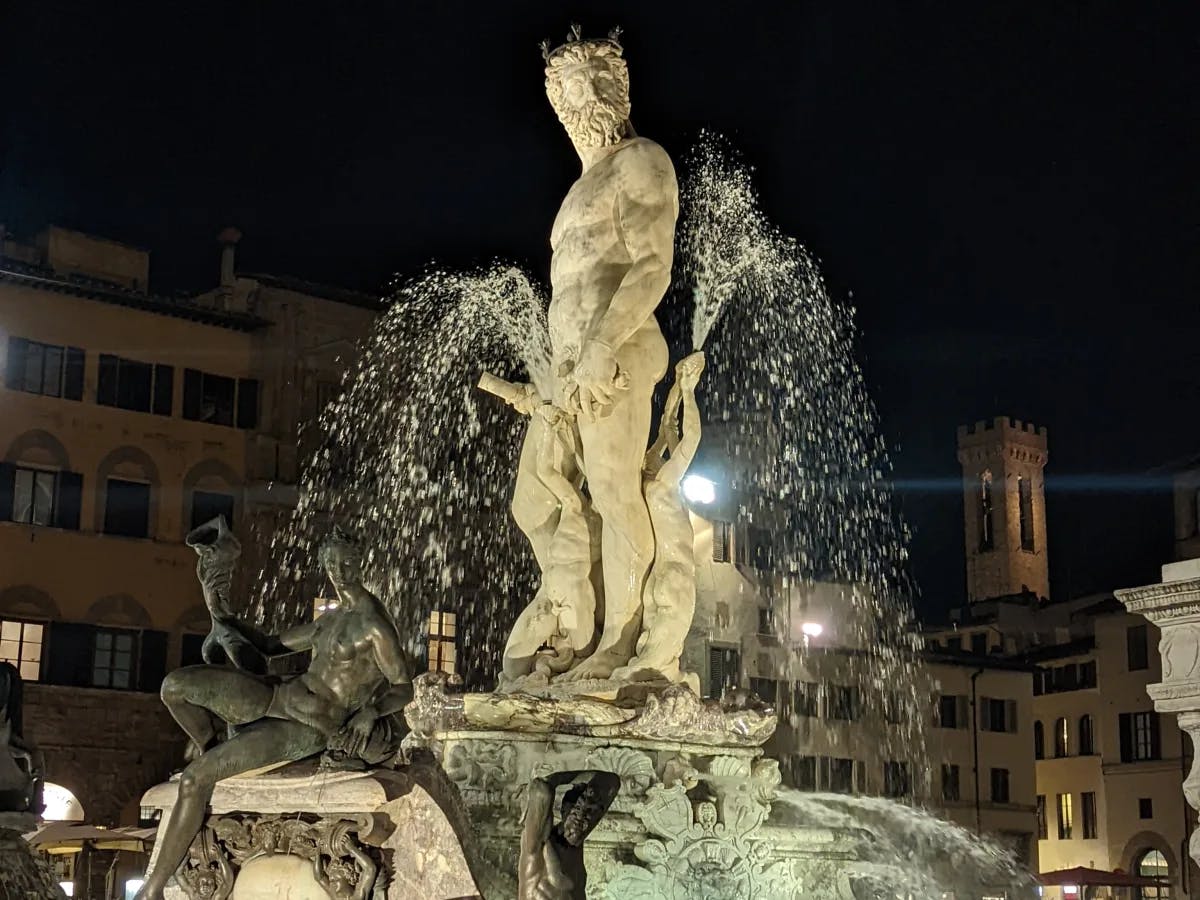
x,y
1008,190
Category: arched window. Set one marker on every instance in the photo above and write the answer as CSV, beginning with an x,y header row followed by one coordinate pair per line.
x,y
987,538
1039,740
1087,736
60,804
1060,737
1152,864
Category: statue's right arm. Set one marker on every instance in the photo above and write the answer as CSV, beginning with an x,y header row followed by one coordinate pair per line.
x,y
539,816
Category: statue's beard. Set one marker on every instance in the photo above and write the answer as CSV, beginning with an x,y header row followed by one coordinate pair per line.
x,y
598,124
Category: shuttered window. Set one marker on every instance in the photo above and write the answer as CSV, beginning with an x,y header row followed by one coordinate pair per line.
x,y
34,496
48,369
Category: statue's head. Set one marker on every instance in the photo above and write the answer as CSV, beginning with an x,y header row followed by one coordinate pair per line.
x,y
341,556
588,86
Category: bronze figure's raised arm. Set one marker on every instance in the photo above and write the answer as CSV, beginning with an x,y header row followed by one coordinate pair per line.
x,y
551,862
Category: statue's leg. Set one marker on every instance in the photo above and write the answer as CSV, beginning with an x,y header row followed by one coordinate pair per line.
x,y
613,449
194,694
669,606
533,627
534,506
266,742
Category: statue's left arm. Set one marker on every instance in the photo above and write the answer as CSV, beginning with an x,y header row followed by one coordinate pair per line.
x,y
647,205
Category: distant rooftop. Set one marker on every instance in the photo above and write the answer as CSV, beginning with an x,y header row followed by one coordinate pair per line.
x,y
312,289
46,279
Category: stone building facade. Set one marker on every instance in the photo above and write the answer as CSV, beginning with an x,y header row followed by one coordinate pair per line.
x,y
1005,512
125,419
1107,765
975,768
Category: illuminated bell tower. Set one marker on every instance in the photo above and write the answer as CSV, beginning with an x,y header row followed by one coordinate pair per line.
x,y
1005,508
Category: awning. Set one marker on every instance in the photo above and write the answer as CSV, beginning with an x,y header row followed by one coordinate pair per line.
x,y
69,837
1082,875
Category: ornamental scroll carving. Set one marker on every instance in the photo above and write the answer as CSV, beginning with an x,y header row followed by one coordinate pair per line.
x,y
341,863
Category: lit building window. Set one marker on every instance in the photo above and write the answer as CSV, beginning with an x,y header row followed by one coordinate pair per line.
x,y
442,632
1152,864
1065,818
112,659
722,542
21,645
1061,736
322,605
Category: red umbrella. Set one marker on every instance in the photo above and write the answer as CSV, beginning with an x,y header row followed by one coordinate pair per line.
x,y
1082,875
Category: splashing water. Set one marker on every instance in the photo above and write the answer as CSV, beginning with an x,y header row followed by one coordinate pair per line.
x,y
909,854
787,405
420,464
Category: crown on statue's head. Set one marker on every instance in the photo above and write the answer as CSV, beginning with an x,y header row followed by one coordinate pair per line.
x,y
575,38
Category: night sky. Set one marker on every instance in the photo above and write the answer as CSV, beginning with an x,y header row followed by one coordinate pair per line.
x,y
1007,191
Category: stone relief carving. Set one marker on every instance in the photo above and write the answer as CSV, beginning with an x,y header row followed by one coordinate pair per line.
x,y
341,863
701,849
1174,607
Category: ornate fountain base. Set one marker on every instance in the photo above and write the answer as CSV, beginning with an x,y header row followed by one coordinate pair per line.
x,y
692,817
22,875
307,834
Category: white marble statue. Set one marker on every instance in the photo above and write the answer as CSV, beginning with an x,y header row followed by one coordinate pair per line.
x,y
562,616
612,249
669,600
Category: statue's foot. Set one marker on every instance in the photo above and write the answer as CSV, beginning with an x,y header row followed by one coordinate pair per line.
x,y
596,666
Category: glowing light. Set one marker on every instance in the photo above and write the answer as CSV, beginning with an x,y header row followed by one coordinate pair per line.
x,y
68,888
60,804
699,489
132,886
812,629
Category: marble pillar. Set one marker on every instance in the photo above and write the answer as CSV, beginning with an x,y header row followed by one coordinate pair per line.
x,y
1173,606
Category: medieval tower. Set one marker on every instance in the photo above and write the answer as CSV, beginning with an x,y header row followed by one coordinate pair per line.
x,y
1005,508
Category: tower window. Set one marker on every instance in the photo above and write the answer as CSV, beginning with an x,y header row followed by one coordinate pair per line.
x,y
1025,499
987,537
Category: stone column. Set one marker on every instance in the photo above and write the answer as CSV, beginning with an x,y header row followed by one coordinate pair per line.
x,y
1174,607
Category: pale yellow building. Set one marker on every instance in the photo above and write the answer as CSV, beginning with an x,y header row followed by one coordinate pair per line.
x,y
1108,767
975,768
127,418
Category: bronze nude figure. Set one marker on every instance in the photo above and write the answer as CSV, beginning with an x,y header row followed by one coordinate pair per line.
x,y
551,861
358,678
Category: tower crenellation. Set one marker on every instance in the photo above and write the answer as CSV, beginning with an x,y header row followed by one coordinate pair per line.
x,y
1003,462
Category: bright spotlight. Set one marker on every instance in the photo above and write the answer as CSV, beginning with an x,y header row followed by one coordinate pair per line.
x,y
812,629
132,886
699,489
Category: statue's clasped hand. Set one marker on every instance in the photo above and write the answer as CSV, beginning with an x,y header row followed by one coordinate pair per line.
x,y
353,737
594,382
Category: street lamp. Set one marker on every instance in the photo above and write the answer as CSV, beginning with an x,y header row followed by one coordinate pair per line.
x,y
699,489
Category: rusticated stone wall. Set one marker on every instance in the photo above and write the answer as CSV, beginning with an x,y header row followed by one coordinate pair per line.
x,y
106,747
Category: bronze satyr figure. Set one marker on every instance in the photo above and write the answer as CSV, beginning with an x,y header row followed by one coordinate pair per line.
x,y
552,855
358,677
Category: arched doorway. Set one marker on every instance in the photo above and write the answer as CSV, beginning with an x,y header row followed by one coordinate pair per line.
x,y
1152,864
60,804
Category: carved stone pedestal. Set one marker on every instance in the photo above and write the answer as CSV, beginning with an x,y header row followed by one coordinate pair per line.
x,y
22,875
307,834
692,817
1174,606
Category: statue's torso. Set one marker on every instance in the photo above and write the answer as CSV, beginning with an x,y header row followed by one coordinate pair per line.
x,y
590,258
344,666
